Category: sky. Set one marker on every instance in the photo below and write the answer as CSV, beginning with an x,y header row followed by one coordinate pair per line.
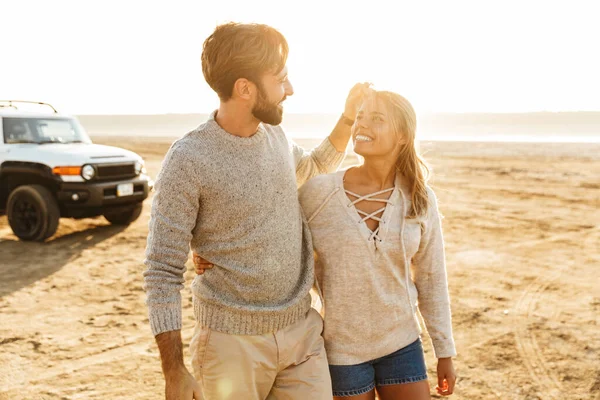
x,y
143,57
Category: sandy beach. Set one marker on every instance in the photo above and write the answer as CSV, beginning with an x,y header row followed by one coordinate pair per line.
x,y
522,229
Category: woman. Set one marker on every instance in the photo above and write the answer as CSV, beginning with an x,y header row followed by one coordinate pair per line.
x,y
379,250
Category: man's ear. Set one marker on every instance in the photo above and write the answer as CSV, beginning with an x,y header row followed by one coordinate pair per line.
x,y
244,89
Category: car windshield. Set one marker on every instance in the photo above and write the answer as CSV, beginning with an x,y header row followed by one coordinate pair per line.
x,y
43,130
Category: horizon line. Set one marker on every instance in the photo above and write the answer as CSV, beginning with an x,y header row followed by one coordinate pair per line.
x,y
337,113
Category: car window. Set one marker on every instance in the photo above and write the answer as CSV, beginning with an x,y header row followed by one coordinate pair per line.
x,y
57,128
16,130
43,130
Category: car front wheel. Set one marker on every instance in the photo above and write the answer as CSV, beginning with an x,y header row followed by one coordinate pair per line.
x,y
33,213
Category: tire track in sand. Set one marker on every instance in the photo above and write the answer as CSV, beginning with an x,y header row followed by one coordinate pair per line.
x,y
527,344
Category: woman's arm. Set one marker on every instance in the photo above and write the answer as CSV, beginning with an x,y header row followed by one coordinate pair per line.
x,y
429,272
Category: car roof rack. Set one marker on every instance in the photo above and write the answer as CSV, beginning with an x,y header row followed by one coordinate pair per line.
x,y
10,104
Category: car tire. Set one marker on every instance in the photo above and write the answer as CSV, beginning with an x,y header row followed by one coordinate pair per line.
x,y
124,217
33,213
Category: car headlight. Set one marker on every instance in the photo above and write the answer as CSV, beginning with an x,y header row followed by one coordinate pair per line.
x,y
139,168
88,172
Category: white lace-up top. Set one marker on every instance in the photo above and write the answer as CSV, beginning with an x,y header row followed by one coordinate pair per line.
x,y
372,282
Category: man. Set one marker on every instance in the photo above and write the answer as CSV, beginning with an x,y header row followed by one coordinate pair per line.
x,y
228,190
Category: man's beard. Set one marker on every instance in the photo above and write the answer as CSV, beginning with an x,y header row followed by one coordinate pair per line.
x,y
265,111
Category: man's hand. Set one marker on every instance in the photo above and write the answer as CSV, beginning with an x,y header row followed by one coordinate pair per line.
x,y
181,385
446,377
200,264
341,133
355,98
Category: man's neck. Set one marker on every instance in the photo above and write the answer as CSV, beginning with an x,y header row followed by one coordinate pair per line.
x,y
236,120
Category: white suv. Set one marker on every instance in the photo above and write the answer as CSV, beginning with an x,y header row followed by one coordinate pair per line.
x,y
50,169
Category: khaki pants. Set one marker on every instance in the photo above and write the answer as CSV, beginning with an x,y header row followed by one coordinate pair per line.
x,y
288,364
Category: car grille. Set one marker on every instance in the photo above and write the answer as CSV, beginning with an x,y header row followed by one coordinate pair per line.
x,y
115,171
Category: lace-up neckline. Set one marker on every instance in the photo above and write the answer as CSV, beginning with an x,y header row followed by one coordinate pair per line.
x,y
373,216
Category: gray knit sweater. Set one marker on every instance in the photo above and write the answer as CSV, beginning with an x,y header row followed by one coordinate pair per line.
x,y
234,201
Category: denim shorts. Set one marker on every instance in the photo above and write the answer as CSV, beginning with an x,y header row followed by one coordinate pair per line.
x,y
406,365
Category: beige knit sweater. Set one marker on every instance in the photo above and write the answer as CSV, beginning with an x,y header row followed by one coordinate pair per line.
x,y
370,295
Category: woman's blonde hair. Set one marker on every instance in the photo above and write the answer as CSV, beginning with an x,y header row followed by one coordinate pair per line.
x,y
409,163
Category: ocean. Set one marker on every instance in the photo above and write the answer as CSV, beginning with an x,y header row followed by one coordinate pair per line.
x,y
542,127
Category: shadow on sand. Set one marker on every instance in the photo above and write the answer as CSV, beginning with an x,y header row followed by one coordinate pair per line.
x,y
23,263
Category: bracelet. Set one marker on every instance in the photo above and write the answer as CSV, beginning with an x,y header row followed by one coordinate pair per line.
x,y
346,120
